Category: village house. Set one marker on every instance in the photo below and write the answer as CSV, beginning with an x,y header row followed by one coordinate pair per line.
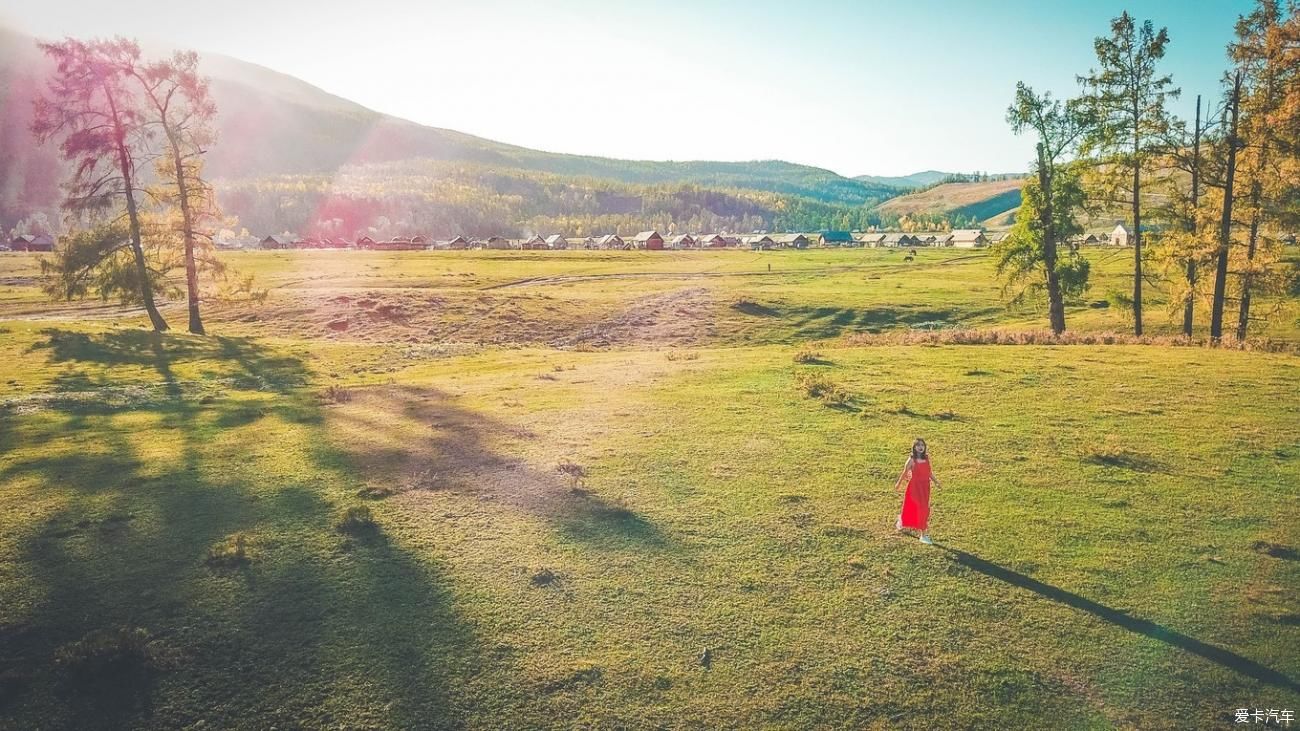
x,y
277,242
968,238
650,240
498,242
683,241
711,241
589,242
457,243
759,243
610,241
365,242
869,239
397,243
536,242
835,238
1121,236
556,241
32,242
791,241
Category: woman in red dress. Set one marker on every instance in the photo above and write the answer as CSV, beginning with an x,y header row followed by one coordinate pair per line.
x,y
916,501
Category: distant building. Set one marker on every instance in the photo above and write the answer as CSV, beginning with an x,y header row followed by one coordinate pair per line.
x,y
365,242
711,241
32,242
1121,236
683,241
277,242
759,243
556,241
835,238
536,242
650,240
498,242
457,243
610,241
968,238
869,239
791,241
589,242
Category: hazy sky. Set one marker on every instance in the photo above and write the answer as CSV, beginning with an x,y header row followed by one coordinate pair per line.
x,y
856,87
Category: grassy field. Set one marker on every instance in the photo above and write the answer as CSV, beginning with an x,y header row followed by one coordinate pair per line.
x,y
527,490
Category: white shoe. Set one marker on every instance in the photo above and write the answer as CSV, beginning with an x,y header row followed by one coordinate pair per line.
x,y
926,540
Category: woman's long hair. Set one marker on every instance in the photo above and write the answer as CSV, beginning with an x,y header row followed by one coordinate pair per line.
x,y
916,455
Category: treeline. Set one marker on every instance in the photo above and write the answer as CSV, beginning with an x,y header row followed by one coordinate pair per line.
x,y
1222,188
443,199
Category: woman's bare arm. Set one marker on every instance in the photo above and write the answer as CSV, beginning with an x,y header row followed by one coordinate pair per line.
x,y
907,467
934,479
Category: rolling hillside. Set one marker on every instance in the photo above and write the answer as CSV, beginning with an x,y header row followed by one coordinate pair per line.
x,y
271,124
915,180
988,202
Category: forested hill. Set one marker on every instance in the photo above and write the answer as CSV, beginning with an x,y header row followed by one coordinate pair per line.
x,y
441,198
271,124
915,180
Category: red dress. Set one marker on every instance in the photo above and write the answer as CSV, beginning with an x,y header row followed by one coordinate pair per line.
x,y
916,501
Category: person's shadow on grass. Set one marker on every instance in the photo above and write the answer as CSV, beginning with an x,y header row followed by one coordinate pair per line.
x,y
1225,658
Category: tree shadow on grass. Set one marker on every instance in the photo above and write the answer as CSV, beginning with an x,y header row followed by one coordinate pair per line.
x,y
830,321
1145,627
420,438
127,499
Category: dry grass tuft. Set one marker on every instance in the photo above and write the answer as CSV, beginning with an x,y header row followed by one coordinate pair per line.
x,y
231,553
335,394
827,391
357,520
972,336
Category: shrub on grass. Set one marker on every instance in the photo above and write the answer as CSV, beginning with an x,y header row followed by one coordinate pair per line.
x,y
112,655
575,472
375,492
825,390
682,355
807,355
972,336
335,394
543,577
357,520
231,553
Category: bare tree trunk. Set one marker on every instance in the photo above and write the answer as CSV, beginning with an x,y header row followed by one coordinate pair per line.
x,y
1243,316
187,221
1137,228
1055,302
133,215
1225,222
1196,189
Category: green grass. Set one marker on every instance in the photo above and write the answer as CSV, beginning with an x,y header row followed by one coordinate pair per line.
x,y
723,297
559,535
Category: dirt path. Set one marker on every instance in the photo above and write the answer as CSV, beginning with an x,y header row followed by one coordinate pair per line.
x,y
680,317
